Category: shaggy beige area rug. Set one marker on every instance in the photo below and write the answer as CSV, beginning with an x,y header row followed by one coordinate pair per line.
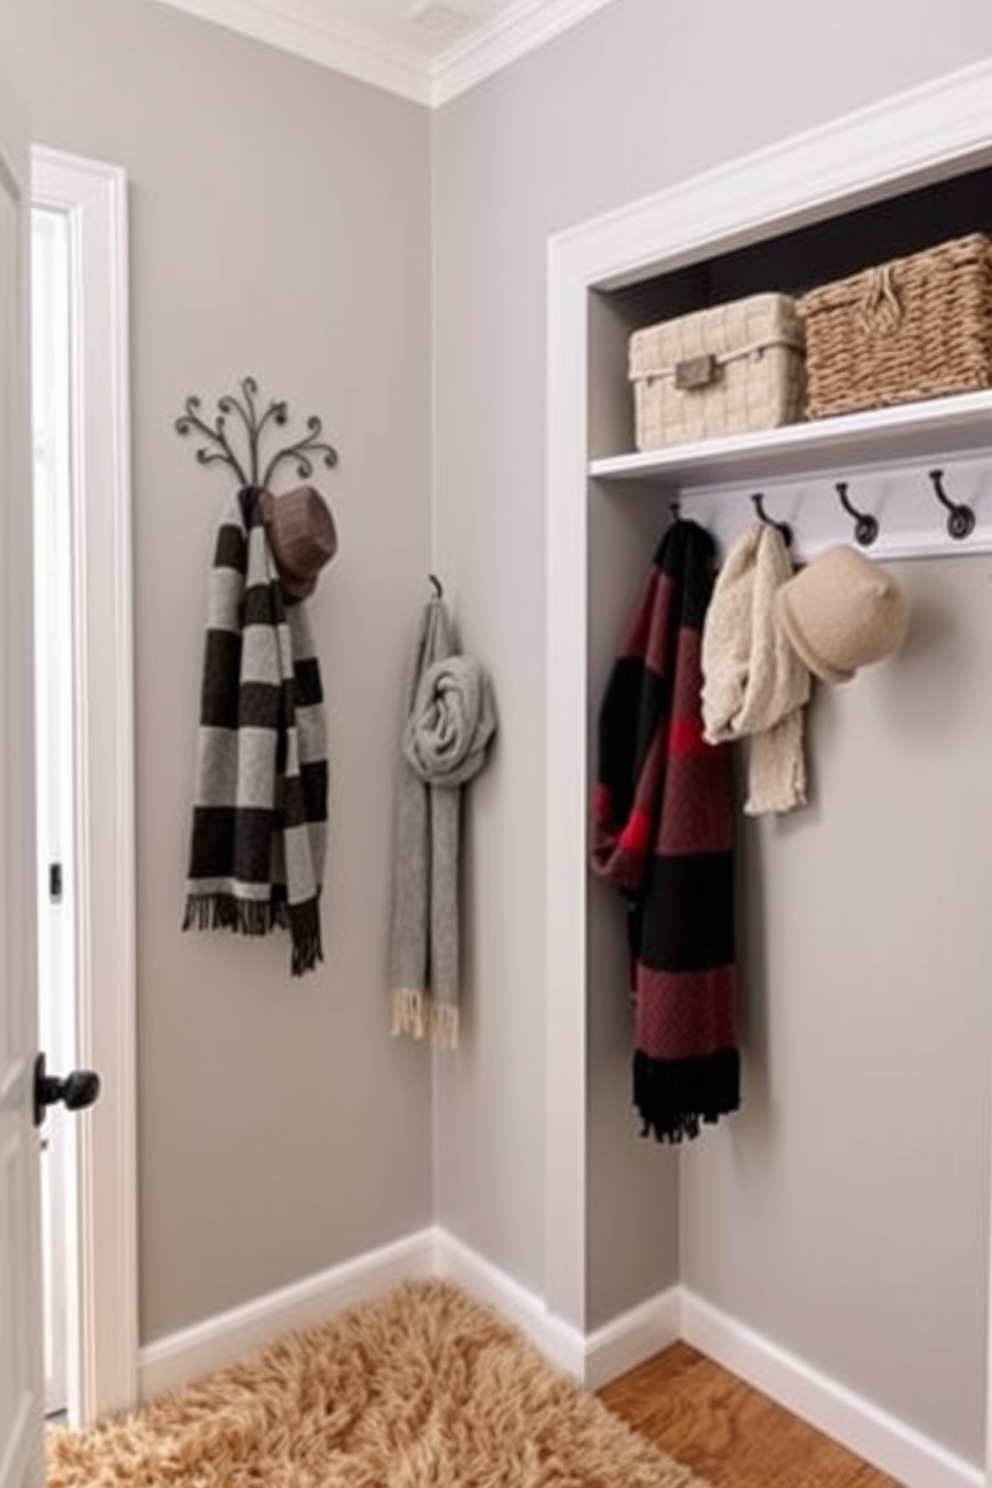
x,y
420,1389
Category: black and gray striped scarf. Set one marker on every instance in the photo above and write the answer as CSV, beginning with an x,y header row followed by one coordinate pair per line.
x,y
260,810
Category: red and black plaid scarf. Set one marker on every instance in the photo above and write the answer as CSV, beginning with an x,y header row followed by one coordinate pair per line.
x,y
663,834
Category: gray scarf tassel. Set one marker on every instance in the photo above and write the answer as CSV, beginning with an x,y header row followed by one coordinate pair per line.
x,y
450,718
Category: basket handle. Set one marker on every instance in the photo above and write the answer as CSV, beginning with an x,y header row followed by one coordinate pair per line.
x,y
880,310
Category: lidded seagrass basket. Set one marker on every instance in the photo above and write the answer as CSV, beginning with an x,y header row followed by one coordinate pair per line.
x,y
916,327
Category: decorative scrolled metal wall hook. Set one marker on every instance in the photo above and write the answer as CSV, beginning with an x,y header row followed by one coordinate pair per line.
x,y
758,500
865,525
961,518
243,414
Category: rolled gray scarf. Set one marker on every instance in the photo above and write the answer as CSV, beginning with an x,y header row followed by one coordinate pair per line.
x,y
450,720
453,719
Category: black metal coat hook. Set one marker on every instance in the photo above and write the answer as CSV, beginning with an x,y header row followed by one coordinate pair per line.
x,y
961,518
221,446
759,505
437,586
865,525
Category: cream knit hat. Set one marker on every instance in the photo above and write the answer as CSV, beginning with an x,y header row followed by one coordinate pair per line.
x,y
842,612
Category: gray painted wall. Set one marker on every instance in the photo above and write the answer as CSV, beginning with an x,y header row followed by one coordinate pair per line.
x,y
513,158
643,94
845,1213
280,225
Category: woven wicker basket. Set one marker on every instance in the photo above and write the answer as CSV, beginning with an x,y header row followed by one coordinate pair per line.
x,y
727,370
918,327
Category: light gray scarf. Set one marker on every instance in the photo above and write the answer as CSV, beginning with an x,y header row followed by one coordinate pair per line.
x,y
449,720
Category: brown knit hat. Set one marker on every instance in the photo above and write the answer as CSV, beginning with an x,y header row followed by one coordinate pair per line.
x,y
302,537
842,612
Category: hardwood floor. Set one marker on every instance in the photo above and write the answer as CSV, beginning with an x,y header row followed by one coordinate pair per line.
x,y
728,1433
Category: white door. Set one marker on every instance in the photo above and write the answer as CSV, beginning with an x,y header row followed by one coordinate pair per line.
x,y
21,1401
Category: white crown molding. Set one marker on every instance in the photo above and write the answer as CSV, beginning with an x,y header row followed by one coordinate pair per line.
x,y
493,46
304,28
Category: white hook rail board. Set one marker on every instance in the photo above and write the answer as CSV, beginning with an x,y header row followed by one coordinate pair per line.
x,y
912,522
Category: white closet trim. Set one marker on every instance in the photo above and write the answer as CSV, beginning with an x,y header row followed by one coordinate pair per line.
x,y
909,141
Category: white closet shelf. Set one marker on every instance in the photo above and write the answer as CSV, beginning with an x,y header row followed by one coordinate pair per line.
x,y
911,431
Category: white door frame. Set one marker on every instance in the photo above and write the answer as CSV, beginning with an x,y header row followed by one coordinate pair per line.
x,y
900,143
103,1334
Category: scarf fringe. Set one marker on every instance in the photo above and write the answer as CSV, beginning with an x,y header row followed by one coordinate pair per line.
x,y
444,1025
416,1015
304,927
221,911
306,955
409,1013
226,912
675,1096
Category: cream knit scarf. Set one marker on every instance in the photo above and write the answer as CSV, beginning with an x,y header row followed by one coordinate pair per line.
x,y
754,684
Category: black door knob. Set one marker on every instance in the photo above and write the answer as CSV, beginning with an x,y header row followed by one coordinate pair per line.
x,y
76,1091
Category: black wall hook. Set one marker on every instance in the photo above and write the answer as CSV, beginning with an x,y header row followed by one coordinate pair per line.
x,y
961,518
865,525
437,586
220,446
759,505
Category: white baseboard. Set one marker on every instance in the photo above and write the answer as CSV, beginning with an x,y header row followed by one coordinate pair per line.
x,y
594,1358
229,1336
557,1340
627,1340
864,1428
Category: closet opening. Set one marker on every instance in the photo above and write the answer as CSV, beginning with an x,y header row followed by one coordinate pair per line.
x,y
820,1241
